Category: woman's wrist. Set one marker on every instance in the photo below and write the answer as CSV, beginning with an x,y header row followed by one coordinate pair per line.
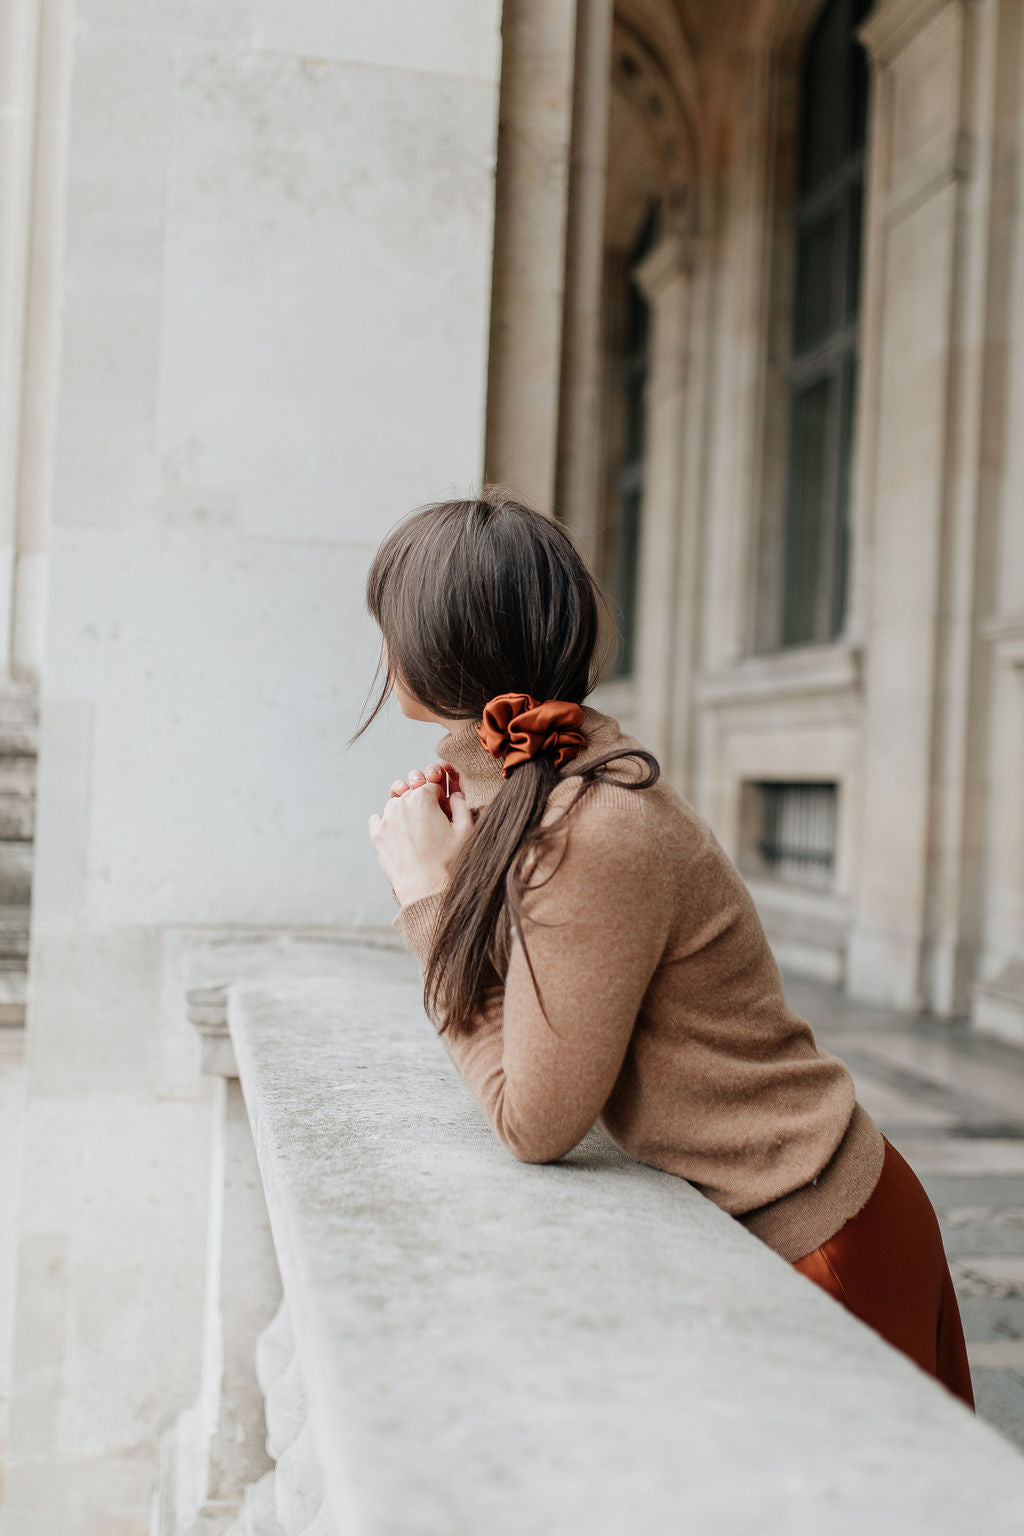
x,y
408,891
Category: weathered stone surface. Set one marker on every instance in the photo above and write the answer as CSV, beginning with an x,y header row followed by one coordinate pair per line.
x,y
589,1347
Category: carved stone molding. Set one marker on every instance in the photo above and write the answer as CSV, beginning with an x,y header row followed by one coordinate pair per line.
x,y
675,255
894,23
290,1500
1005,633
216,962
642,80
785,674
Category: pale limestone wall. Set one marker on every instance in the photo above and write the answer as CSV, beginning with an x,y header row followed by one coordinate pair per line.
x,y
34,88
275,292
524,362
12,1095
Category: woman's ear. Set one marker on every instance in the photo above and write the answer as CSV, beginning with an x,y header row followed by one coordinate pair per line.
x,y
408,703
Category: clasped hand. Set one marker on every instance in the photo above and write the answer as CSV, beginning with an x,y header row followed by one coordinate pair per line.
x,y
421,831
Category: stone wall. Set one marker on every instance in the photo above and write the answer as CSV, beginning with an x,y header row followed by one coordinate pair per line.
x,y
273,305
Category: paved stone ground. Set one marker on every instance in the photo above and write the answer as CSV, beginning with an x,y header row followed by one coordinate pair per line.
x,y
953,1103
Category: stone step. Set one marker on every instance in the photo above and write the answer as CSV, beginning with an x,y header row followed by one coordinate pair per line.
x,y
16,874
17,798
19,740
14,932
19,720
13,998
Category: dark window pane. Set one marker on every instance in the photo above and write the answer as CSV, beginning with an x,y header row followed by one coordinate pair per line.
x,y
626,574
817,255
623,549
855,236
636,373
835,93
842,552
826,304
827,112
858,78
813,423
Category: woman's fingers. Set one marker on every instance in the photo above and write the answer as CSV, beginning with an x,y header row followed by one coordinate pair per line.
x,y
461,815
434,773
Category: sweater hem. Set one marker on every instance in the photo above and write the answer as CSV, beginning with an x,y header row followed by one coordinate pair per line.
x,y
797,1223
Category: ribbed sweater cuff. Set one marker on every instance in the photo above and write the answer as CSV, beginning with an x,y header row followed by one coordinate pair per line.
x,y
416,923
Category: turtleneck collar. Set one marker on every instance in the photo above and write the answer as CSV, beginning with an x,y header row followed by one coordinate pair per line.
x,y
480,773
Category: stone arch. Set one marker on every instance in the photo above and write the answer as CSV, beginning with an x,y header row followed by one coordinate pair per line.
x,y
783,26
660,95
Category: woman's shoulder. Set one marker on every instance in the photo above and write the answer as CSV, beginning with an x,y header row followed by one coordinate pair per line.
x,y
618,806
661,805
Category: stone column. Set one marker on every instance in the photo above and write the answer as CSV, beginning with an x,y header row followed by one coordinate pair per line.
x,y
19,26
674,278
578,487
41,335
937,128
534,132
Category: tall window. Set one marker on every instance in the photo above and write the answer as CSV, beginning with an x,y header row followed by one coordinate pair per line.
x,y
619,563
823,370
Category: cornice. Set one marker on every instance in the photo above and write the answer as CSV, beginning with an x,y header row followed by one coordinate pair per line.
x,y
894,23
801,670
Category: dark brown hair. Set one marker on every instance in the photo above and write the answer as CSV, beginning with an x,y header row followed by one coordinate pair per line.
x,y
475,598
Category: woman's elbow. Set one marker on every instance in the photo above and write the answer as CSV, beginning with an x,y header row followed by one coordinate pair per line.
x,y
535,1132
537,1144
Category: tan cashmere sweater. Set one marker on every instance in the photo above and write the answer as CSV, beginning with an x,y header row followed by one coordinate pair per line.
x,y
668,1026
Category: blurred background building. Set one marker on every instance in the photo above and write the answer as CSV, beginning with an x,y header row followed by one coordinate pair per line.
x,y
734,287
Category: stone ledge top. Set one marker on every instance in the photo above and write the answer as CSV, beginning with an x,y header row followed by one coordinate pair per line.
x,y
587,1348
211,965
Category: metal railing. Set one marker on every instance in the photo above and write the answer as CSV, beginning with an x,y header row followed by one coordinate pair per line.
x,y
798,839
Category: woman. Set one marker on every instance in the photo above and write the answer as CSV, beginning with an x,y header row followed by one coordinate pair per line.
x,y
591,955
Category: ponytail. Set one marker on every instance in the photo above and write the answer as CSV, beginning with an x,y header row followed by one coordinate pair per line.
x,y
482,904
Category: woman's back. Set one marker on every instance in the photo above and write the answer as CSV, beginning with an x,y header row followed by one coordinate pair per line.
x,y
666,1021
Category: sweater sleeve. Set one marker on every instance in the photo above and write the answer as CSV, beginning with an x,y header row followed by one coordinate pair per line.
x,y
595,930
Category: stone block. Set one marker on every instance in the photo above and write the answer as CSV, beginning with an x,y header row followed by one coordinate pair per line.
x,y
448,37
303,351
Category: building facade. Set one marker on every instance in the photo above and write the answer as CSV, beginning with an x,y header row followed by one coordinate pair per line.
x,y
736,289
791,453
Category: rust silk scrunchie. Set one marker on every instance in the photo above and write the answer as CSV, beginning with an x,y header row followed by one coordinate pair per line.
x,y
515,728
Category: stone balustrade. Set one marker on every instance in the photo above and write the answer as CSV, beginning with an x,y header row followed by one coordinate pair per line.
x,y
470,1346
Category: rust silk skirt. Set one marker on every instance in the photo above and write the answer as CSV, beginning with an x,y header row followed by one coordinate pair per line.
x,y
888,1267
